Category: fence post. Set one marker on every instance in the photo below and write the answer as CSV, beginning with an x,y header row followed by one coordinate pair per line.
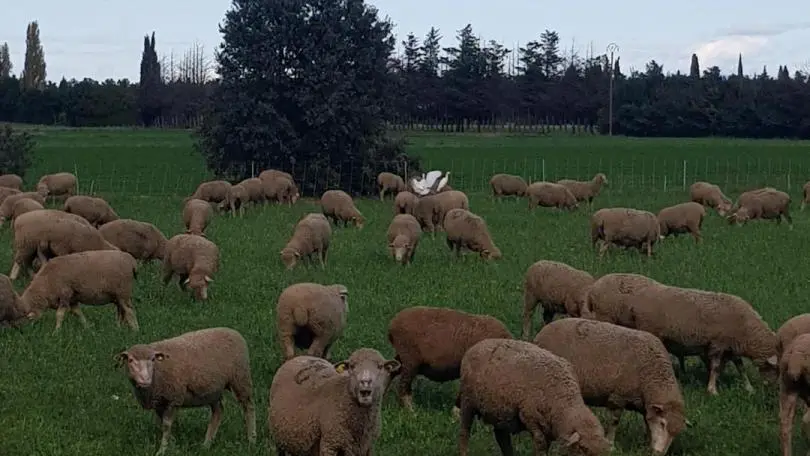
x,y
684,174
544,170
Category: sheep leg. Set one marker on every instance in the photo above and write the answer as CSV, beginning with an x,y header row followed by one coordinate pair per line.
x,y
182,282
613,423
213,424
167,274
787,408
603,248
738,363
529,305
288,346
504,440
15,271
465,424
75,310
806,423
406,377
60,317
127,313
166,427
715,364
317,348
449,244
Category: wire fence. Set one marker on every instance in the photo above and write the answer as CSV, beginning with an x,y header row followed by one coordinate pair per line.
x,y
473,175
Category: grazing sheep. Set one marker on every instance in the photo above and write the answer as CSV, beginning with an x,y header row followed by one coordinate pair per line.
x,y
430,210
766,203
58,186
142,240
549,194
515,385
5,192
467,230
215,191
255,189
272,173
7,206
192,370
431,341
238,197
621,369
805,194
507,185
95,278
197,214
312,317
194,259
11,181
681,218
585,191
317,408
95,210
794,371
403,235
608,298
624,227
390,182
45,234
720,327
311,236
558,287
281,189
710,195
338,206
24,205
800,324
12,309
405,203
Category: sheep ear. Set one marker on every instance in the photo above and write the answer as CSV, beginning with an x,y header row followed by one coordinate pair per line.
x,y
341,367
159,356
572,439
120,358
658,409
392,366
208,279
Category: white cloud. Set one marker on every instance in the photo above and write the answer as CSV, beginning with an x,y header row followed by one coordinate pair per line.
x,y
716,51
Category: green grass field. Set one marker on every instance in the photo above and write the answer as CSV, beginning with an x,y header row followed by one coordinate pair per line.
x,y
62,395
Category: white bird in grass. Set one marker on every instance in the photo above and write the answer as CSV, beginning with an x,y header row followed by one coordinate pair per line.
x,y
429,183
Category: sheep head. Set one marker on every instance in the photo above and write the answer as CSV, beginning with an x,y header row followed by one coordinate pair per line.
x,y
140,361
369,375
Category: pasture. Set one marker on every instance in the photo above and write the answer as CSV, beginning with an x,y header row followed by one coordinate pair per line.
x,y
61,394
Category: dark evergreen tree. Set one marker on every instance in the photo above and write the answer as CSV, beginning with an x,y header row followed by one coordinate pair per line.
x,y
305,86
150,94
694,68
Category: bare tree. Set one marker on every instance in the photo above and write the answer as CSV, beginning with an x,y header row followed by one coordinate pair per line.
x,y
169,68
195,67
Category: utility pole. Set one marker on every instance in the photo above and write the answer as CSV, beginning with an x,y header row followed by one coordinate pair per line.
x,y
611,48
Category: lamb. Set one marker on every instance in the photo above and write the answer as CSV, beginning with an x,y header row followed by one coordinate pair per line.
x,y
621,369
624,227
405,203
403,237
515,385
11,181
7,206
805,194
317,408
467,230
95,277
717,326
312,317
558,287
215,191
12,310
794,370
767,203
430,210
390,182
431,341
194,259
280,189
681,218
338,206
255,189
710,195
507,185
49,233
796,326
192,370
57,186
549,194
5,192
142,240
95,210
197,214
238,197
608,298
311,236
586,191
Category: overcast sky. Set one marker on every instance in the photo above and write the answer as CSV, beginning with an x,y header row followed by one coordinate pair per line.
x,y
104,38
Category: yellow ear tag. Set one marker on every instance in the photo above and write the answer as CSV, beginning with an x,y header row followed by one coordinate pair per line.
x,y
340,368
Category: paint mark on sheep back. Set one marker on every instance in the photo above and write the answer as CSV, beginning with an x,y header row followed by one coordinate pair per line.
x,y
313,369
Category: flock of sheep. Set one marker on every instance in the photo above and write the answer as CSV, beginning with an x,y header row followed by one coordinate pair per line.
x,y
543,385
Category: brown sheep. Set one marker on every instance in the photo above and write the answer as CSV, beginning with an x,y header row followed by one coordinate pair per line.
x,y
215,191
626,228
431,341
507,185
96,210
558,287
403,237
255,189
197,214
405,203
608,298
24,205
5,192
11,181
281,190
681,218
800,324
766,203
805,194
7,206
12,310
710,195
238,197
338,206
194,259
312,317
467,230
515,385
549,194
587,190
390,182
57,186
272,173
431,210
311,236
794,371
142,240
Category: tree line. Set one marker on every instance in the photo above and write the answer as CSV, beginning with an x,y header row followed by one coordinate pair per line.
x,y
471,85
